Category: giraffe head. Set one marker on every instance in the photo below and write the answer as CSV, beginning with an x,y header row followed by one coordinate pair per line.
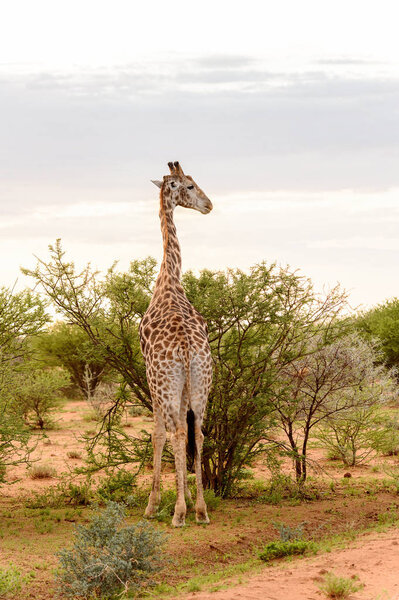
x,y
179,189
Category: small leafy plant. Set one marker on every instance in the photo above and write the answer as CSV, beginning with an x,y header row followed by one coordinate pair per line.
x,y
339,587
107,559
11,581
279,549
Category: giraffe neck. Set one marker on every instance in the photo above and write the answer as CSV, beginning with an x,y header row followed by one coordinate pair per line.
x,y
171,263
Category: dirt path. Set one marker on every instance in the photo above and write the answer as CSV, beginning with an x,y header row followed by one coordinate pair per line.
x,y
374,558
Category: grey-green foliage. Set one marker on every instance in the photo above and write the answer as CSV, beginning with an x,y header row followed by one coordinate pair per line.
x,y
288,533
107,559
355,433
333,380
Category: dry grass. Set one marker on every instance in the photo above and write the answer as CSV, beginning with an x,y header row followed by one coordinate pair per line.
x,y
42,472
74,454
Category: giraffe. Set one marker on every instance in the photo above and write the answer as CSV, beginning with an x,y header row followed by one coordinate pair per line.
x,y
174,342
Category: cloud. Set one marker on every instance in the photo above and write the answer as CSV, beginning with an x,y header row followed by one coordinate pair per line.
x,y
344,61
102,130
224,61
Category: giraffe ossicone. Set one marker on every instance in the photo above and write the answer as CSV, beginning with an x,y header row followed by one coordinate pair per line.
x,y
174,342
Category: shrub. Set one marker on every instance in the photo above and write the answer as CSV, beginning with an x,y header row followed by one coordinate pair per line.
x,y
279,487
212,501
37,395
78,494
117,487
11,581
279,549
387,440
42,472
138,410
166,506
107,559
353,435
75,494
339,587
288,534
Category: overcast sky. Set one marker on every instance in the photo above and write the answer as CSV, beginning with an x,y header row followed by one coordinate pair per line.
x,y
286,114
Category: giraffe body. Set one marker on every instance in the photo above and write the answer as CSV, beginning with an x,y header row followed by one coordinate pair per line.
x,y
174,342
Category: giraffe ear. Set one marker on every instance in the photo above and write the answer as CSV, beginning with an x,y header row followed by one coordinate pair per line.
x,y
157,183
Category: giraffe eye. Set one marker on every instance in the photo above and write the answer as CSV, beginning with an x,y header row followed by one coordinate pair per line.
x,y
190,187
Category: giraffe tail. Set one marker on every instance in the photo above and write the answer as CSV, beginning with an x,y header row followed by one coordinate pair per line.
x,y
191,445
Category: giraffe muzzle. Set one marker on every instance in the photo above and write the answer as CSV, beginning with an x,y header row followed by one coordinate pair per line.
x,y
206,207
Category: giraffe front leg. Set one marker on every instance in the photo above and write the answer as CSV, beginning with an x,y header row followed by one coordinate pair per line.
x,y
178,440
158,442
201,513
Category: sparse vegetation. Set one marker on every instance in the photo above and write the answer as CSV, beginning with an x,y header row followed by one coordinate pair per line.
x,y
339,587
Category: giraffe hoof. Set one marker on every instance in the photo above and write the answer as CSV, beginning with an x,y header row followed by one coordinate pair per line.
x,y
150,512
202,518
179,520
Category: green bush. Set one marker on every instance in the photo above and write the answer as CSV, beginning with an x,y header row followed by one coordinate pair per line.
x,y
387,440
117,487
212,501
78,494
279,549
107,559
37,395
166,506
11,581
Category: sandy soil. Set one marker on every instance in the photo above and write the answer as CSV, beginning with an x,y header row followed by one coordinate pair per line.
x,y
374,559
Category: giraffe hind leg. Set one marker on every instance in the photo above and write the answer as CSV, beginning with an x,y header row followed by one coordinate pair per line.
x,y
178,440
158,442
201,513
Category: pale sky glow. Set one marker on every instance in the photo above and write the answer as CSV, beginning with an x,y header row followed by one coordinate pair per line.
x,y
285,113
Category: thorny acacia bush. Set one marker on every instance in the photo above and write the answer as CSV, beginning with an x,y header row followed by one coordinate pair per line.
x,y
259,323
355,434
68,346
382,323
329,387
15,437
107,559
37,394
22,316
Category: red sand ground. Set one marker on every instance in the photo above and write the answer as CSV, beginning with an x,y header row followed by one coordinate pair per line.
x,y
374,558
